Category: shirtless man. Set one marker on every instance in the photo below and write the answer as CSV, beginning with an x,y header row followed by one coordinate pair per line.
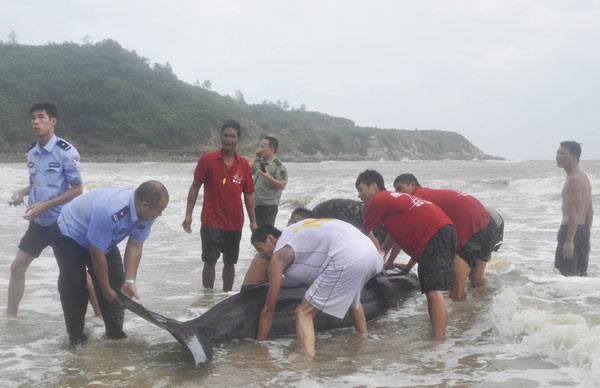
x,y
573,249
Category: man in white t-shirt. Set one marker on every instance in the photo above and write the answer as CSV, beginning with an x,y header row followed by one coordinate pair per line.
x,y
333,256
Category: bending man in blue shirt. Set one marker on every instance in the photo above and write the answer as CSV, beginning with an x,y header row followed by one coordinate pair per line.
x,y
86,234
54,180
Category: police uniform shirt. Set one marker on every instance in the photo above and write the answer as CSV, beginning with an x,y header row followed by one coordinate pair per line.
x,y
265,193
103,218
52,170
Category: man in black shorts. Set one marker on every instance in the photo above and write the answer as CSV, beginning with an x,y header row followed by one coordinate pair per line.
x,y
573,249
475,230
216,241
54,180
226,177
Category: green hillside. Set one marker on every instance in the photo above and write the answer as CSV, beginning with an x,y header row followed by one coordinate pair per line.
x,y
114,102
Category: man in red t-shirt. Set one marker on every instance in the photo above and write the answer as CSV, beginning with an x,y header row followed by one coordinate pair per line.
x,y
475,230
422,230
225,176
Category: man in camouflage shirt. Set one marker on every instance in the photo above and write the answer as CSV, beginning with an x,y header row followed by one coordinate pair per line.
x,y
270,178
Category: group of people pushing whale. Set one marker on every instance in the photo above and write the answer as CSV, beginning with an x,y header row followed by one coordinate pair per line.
x,y
333,249
450,235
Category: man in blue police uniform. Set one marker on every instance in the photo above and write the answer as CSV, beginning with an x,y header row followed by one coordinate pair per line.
x,y
86,234
54,179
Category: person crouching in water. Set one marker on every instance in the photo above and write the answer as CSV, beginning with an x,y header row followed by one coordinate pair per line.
x,y
334,257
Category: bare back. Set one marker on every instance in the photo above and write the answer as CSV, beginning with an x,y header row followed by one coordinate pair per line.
x,y
577,199
258,272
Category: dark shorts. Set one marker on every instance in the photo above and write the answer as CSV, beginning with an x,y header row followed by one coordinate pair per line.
x,y
435,265
248,286
499,234
480,245
265,215
216,241
578,265
36,238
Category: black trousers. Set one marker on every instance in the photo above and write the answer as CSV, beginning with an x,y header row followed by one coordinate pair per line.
x,y
265,215
73,259
578,265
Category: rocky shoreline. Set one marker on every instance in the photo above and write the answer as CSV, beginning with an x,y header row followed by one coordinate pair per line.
x,y
192,156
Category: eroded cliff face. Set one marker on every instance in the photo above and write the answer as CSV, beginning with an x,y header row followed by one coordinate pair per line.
x,y
399,145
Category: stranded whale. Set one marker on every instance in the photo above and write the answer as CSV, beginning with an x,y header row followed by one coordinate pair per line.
x,y
237,316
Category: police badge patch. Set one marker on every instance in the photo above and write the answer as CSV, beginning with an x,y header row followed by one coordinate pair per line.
x,y
75,161
120,214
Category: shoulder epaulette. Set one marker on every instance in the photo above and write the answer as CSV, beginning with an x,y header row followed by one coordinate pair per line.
x,y
64,145
277,162
31,146
120,214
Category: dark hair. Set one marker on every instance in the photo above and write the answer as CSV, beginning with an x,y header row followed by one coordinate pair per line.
x,y
232,124
260,234
368,177
151,192
50,109
273,143
406,178
573,147
302,212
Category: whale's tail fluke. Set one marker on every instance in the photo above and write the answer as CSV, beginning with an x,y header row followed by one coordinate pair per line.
x,y
195,340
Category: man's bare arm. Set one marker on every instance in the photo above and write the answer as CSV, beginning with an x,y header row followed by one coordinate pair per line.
x,y
191,202
249,202
279,262
133,255
572,206
18,195
589,217
274,181
35,210
101,271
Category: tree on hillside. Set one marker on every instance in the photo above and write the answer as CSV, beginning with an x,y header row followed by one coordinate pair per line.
x,y
239,96
116,102
87,40
207,84
12,38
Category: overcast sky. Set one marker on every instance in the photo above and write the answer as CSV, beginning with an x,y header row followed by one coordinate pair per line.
x,y
514,77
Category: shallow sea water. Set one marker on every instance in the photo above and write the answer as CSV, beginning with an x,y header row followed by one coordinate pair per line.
x,y
526,327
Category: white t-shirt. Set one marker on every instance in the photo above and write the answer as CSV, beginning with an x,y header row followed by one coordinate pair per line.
x,y
319,243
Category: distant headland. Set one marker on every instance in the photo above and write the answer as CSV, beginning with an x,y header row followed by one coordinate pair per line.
x,y
116,106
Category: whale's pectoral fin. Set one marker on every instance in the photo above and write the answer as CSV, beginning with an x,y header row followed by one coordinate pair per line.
x,y
196,341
